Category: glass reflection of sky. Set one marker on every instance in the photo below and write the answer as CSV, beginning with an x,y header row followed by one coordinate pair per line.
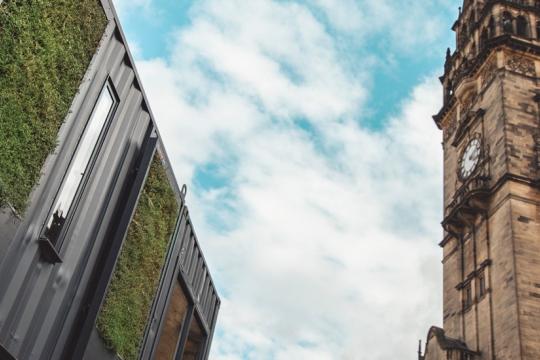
x,y
79,164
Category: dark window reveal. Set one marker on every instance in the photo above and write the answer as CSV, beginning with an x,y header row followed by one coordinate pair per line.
x,y
468,298
522,26
175,319
484,38
79,164
196,341
491,27
508,23
481,284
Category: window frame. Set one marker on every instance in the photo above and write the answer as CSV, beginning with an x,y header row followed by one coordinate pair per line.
x,y
522,26
482,284
507,22
468,296
51,251
194,316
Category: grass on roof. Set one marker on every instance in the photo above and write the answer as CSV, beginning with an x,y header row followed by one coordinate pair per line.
x,y
123,317
45,49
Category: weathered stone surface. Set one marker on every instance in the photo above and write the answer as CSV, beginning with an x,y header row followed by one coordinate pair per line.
x,y
491,249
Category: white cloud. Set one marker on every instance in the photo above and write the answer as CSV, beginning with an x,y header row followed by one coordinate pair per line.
x,y
330,246
392,25
123,6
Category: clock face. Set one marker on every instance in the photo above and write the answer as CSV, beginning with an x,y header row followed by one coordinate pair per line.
x,y
470,158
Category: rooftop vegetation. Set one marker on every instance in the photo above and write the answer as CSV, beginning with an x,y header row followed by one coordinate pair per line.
x,y
45,49
124,315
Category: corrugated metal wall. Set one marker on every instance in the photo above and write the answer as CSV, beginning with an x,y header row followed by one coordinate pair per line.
x,y
195,274
187,265
42,304
38,300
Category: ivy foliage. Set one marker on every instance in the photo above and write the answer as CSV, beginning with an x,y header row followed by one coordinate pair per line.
x,y
45,49
123,317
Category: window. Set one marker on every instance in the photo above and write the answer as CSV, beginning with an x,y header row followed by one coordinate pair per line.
x,y
522,26
173,324
491,26
484,38
538,29
467,296
507,23
196,341
481,284
79,166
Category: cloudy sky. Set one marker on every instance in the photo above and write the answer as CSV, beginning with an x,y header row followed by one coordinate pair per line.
x,y
303,131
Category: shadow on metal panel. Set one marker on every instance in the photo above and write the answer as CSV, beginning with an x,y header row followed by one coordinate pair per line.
x,y
96,349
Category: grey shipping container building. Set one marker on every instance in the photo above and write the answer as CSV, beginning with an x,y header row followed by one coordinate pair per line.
x,y
104,244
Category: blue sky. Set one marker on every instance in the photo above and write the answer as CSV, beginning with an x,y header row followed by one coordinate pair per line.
x,y
303,130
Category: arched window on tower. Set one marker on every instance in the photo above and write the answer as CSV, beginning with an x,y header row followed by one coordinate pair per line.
x,y
538,29
484,39
472,19
492,28
507,23
522,26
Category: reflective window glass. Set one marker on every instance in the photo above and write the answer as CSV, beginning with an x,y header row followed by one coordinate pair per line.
x,y
172,329
196,341
79,164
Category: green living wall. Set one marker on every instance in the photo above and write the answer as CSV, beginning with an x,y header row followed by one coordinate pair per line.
x,y
45,49
123,317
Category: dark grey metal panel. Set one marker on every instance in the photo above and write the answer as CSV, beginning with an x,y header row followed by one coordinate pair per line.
x,y
41,304
102,273
192,269
4,354
187,265
9,223
96,349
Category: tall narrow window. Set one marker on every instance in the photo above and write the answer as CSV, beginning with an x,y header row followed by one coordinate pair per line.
x,y
484,39
522,26
79,165
492,28
196,341
507,23
481,284
468,297
172,327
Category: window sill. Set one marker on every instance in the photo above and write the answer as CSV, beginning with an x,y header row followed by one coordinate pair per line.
x,y
48,251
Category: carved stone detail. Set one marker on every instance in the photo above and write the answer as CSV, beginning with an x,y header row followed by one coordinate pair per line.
x,y
521,65
488,71
466,106
452,125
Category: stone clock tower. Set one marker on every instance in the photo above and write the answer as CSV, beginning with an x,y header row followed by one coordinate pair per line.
x,y
490,122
